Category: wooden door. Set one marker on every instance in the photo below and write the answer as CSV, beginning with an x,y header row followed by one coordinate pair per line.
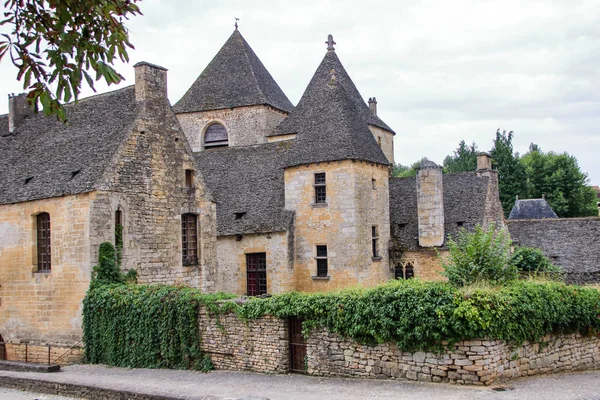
x,y
2,349
297,346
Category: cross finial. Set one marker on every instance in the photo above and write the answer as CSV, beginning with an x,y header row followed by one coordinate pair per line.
x,y
236,23
330,43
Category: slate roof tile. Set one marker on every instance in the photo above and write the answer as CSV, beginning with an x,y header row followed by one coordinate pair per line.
x,y
532,209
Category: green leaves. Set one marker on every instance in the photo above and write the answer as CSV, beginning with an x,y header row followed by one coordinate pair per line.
x,y
52,43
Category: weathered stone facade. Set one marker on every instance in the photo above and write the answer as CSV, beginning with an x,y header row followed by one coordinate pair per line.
x,y
44,307
357,200
385,140
245,125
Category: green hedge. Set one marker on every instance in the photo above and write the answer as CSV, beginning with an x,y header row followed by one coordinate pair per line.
x,y
420,315
145,326
157,326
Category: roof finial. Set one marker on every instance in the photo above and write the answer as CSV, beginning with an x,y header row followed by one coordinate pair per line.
x,y
236,23
330,43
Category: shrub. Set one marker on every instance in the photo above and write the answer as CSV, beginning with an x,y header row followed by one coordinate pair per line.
x,y
529,259
107,271
479,256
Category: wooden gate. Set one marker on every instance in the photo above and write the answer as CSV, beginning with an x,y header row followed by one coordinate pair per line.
x,y
2,349
297,346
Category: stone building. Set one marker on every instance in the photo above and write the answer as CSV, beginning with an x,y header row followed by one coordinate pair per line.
x,y
231,189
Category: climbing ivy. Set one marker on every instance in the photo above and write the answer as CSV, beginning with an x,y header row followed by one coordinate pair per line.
x,y
145,326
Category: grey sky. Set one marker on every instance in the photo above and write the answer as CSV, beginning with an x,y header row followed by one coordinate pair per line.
x,y
442,71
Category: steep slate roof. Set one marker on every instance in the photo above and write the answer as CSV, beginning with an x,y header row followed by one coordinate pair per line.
x,y
464,202
234,78
50,152
532,209
319,80
247,180
570,243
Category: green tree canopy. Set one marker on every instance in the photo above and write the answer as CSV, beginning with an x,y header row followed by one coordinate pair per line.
x,y
557,177
512,180
463,160
53,43
405,171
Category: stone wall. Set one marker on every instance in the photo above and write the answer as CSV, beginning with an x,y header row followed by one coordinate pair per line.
x,y
44,307
570,243
426,263
146,181
386,141
231,255
245,125
260,345
40,354
357,200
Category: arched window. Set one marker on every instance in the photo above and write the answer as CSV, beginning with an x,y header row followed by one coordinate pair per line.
x,y
44,250
216,136
189,239
404,270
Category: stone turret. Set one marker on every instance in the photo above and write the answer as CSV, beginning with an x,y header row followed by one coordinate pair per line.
x,y
430,204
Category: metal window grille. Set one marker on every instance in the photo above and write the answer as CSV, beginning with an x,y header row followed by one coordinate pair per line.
x,y
322,261
320,188
256,274
44,248
189,239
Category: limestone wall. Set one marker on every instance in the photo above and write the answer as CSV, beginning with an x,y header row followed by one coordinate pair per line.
x,y
146,180
386,139
245,125
44,307
357,199
426,263
231,255
259,345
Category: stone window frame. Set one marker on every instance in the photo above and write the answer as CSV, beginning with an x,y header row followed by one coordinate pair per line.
x,y
375,243
321,261
320,186
190,174
215,144
407,267
190,255
43,258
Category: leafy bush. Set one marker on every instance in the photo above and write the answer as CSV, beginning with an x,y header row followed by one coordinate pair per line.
x,y
479,256
529,259
107,271
420,315
145,326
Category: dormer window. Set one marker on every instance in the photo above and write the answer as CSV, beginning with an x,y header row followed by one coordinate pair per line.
x,y
215,136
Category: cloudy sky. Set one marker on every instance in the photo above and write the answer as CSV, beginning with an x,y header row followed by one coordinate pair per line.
x,y
441,70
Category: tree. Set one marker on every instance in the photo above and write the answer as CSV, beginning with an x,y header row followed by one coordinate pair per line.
x,y
557,177
405,171
512,180
53,43
463,160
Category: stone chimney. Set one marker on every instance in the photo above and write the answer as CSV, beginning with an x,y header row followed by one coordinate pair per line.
x,y
484,162
430,204
150,81
373,105
18,110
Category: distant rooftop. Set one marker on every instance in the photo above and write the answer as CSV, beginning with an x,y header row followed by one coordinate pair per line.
x,y
532,209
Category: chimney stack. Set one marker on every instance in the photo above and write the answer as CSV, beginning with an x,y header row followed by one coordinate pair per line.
x,y
484,162
373,105
18,110
150,81
430,204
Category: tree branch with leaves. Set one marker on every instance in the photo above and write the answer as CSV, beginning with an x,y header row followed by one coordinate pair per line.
x,y
54,43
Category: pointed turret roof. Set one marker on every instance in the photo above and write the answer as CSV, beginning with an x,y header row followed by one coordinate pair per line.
x,y
321,77
234,78
329,127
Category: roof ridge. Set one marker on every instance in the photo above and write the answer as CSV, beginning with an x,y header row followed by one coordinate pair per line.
x,y
258,88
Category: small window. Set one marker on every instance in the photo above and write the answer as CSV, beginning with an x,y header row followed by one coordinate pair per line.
x,y
44,249
460,223
189,178
320,188
404,270
119,235
189,239
216,136
322,261
374,183
256,274
375,241
379,140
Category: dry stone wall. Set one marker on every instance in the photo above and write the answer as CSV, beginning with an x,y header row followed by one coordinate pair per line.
x,y
262,345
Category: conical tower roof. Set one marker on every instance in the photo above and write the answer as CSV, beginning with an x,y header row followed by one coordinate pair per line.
x,y
234,78
329,128
332,62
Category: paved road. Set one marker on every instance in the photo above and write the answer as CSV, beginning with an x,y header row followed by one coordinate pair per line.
x,y
12,394
235,385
